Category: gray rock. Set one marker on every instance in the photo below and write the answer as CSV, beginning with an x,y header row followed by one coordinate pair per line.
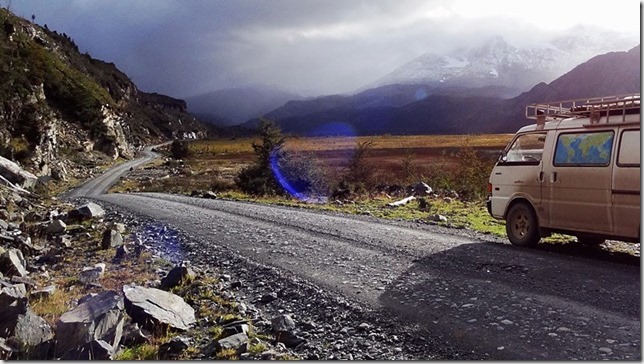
x,y
16,175
237,342
437,218
56,227
91,275
98,318
421,189
177,275
133,335
12,262
43,292
111,239
120,227
93,350
282,323
5,349
32,336
64,241
269,297
3,225
88,211
174,348
151,306
13,303
121,253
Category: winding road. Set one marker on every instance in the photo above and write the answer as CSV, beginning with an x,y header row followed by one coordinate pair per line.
x,y
487,299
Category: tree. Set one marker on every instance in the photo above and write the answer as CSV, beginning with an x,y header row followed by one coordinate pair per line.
x,y
258,178
179,150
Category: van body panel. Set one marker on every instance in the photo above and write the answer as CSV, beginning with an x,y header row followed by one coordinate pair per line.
x,y
587,182
626,183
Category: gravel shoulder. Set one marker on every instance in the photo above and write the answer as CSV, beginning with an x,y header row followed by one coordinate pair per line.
x,y
452,295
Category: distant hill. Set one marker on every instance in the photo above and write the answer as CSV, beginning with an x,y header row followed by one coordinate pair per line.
x,y
60,107
421,109
236,105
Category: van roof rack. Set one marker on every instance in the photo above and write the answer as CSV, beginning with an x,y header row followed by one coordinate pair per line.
x,y
594,108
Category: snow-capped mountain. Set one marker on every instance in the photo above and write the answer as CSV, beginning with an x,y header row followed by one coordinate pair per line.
x,y
498,63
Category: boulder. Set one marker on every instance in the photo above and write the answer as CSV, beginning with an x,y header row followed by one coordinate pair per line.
x,y
16,175
421,189
237,342
12,262
43,292
85,212
174,348
177,275
97,318
282,323
91,275
151,306
13,303
32,336
111,239
93,350
5,349
56,227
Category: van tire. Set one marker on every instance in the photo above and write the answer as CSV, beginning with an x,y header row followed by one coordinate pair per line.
x,y
521,225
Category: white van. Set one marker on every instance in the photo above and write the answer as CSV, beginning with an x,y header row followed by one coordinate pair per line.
x,y
576,171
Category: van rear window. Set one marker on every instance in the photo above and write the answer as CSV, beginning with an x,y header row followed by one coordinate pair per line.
x,y
629,149
584,149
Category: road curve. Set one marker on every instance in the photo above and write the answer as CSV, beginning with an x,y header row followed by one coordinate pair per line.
x,y
102,183
491,300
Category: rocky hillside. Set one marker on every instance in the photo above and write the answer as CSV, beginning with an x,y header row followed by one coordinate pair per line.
x,y
61,109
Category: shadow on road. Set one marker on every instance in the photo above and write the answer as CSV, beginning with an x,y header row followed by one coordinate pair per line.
x,y
463,295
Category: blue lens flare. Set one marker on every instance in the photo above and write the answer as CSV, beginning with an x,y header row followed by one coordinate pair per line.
x,y
282,180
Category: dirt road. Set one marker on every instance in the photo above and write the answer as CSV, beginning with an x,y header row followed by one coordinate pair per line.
x,y
482,299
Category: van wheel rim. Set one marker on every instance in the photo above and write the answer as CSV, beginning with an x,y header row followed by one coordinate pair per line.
x,y
521,225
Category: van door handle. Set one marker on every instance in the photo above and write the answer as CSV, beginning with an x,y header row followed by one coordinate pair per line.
x,y
540,178
553,177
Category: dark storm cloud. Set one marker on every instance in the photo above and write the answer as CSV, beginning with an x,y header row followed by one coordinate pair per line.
x,y
185,47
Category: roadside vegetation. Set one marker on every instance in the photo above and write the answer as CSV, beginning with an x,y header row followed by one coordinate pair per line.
x,y
358,175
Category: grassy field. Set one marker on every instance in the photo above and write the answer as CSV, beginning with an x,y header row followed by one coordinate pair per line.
x,y
213,165
225,157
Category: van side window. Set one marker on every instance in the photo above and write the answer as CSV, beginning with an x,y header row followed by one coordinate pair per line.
x,y
584,149
526,149
629,149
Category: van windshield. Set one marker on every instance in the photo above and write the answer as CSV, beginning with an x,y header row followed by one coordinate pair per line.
x,y
526,148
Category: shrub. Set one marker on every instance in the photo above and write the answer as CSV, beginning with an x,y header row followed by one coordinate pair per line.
x,y
179,150
258,178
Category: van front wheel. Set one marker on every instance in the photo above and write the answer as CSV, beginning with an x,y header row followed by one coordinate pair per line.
x,y
521,225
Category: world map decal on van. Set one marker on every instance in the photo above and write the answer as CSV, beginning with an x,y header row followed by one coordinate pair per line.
x,y
584,149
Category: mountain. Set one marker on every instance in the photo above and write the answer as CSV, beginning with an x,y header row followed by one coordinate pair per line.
x,y
422,109
498,63
236,105
62,110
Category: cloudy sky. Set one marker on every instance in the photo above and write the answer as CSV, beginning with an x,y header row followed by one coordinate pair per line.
x,y
186,47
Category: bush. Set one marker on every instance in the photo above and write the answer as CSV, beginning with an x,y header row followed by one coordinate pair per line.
x,y
258,178
179,150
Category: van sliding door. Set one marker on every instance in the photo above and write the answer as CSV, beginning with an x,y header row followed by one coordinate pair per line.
x,y
577,183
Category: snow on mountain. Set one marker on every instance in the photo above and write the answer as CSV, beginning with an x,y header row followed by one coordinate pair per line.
x,y
498,63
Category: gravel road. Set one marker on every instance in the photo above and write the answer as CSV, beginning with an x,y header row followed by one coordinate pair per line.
x,y
467,297
487,299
